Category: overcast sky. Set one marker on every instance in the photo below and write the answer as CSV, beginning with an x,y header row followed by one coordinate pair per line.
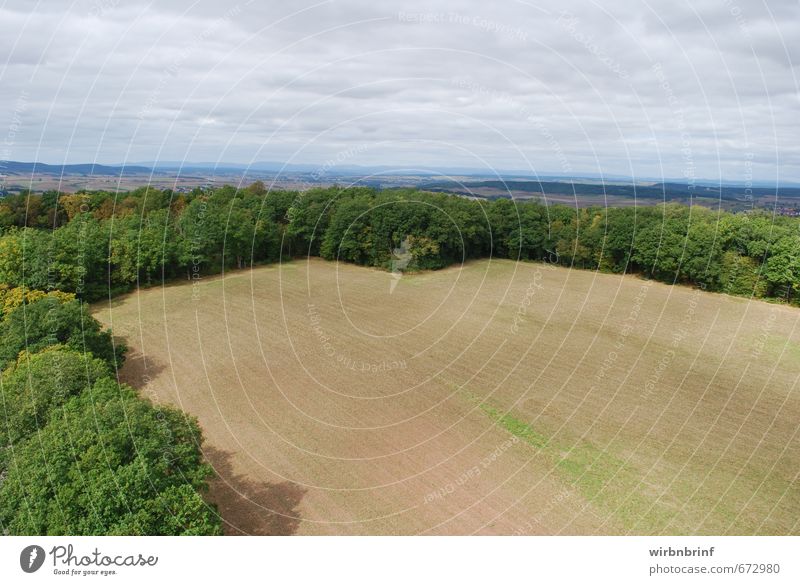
x,y
701,89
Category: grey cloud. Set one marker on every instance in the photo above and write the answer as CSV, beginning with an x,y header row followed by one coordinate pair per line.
x,y
617,86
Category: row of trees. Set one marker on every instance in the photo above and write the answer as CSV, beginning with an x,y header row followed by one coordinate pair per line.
x,y
110,243
152,237
744,254
81,454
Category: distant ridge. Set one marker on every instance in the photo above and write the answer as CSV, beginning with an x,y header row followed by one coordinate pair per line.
x,y
664,191
28,168
437,177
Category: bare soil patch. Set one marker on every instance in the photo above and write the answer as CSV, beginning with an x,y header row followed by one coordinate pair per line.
x,y
493,398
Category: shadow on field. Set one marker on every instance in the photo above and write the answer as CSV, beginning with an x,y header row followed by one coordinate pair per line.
x,y
252,507
138,368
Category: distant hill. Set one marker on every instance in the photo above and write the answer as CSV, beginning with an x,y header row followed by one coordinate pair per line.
x,y
431,179
663,191
29,168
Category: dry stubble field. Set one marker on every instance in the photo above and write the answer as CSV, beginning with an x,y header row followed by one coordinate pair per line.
x,y
493,398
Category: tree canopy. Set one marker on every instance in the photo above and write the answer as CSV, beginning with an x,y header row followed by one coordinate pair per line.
x,y
80,453
108,463
98,244
51,321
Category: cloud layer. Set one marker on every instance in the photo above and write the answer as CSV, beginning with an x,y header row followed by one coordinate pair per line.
x,y
694,89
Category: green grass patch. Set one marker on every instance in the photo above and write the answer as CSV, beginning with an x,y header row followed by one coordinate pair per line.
x,y
776,345
515,426
601,477
636,502
590,470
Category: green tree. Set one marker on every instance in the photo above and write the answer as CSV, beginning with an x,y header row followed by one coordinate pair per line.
x,y
740,275
49,321
701,256
79,257
349,236
309,215
621,227
782,269
11,258
109,463
38,383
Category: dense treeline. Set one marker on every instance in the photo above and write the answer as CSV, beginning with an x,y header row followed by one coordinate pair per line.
x,y
745,254
96,244
100,245
81,454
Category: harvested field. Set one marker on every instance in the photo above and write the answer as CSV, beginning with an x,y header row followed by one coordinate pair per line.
x,y
494,398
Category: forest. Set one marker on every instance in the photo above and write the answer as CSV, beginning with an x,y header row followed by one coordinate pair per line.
x,y
99,244
82,454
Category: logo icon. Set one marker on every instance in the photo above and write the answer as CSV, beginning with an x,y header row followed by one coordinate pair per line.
x,y
31,558
401,258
